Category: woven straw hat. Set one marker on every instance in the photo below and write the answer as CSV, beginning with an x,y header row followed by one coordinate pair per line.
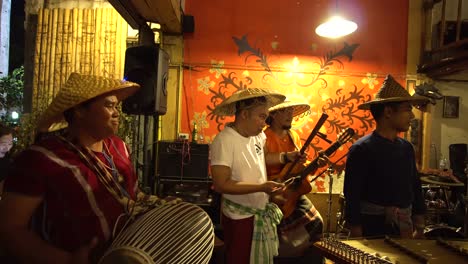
x,y
228,106
392,91
298,108
78,89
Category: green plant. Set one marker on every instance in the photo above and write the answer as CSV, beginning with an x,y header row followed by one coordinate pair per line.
x,y
11,95
25,131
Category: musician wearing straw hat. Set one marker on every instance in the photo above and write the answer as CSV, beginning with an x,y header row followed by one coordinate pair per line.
x,y
80,181
382,188
238,168
305,225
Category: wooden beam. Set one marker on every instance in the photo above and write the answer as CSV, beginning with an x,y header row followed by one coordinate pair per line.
x,y
129,13
167,13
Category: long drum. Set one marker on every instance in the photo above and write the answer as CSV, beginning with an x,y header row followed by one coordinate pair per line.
x,y
171,233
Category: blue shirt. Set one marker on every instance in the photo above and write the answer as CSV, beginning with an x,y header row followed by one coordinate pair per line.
x,y
381,171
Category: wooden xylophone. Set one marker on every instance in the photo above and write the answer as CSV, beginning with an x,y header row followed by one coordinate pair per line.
x,y
397,251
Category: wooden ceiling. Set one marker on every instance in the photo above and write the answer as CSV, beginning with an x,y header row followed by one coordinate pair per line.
x,y
137,13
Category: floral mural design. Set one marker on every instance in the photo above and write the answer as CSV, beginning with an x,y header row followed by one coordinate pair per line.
x,y
250,49
204,84
309,79
217,68
370,80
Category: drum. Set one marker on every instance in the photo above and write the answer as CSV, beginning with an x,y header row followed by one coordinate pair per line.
x,y
443,231
438,203
171,233
436,197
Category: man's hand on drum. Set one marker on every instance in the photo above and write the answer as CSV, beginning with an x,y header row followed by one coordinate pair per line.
x,y
153,199
172,199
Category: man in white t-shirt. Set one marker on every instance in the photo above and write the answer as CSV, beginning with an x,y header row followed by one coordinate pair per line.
x,y
238,167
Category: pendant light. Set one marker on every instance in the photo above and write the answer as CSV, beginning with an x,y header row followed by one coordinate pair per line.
x,y
336,27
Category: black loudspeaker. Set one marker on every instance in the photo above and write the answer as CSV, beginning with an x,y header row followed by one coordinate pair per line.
x,y
458,158
149,67
182,160
188,24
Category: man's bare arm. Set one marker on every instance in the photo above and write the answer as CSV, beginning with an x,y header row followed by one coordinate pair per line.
x,y
224,184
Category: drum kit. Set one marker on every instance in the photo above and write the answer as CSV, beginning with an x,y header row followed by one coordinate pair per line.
x,y
443,196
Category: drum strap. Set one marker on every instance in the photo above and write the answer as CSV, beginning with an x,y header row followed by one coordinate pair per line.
x,y
265,238
110,179
105,177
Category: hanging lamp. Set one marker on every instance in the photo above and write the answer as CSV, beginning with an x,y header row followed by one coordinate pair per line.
x,y
336,26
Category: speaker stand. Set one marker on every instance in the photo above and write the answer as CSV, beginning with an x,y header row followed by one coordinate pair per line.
x,y
149,153
465,226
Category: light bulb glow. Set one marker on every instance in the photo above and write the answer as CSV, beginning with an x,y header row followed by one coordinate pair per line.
x,y
336,27
14,115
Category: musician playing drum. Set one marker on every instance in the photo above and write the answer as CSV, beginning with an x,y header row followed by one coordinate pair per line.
x,y
382,188
77,182
305,225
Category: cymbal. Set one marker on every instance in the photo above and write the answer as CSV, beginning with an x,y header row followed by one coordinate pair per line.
x,y
434,179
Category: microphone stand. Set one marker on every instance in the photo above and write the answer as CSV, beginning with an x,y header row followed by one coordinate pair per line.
x,y
330,171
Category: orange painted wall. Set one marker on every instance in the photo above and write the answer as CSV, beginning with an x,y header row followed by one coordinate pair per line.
x,y
281,51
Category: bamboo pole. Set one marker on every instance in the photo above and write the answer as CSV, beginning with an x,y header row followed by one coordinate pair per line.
x,y
87,42
121,44
96,58
37,52
83,41
43,60
51,29
79,39
73,39
109,53
54,51
67,48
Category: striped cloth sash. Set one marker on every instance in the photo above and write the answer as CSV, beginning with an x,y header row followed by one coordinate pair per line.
x,y
265,238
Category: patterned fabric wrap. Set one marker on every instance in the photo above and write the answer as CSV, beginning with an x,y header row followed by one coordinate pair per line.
x,y
394,216
265,238
304,215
